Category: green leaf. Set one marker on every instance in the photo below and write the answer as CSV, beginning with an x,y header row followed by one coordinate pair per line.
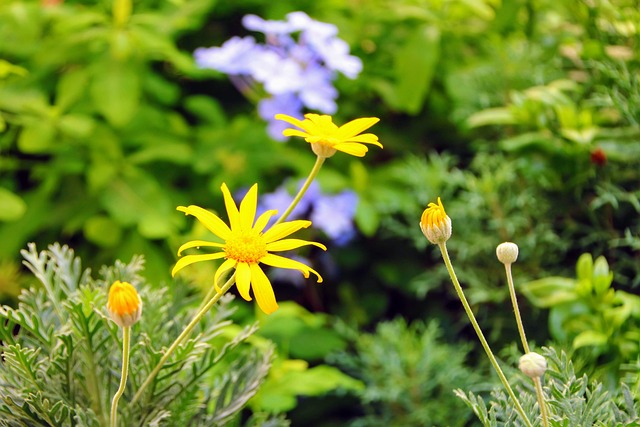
x,y
76,125
550,291
492,116
103,231
13,206
115,90
367,218
602,277
415,64
36,138
590,338
584,267
71,88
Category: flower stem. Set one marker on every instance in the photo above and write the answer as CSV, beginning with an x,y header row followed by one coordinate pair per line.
x,y
483,341
525,344
126,340
303,189
185,333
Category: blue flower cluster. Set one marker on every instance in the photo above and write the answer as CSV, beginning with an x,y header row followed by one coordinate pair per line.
x,y
331,213
296,66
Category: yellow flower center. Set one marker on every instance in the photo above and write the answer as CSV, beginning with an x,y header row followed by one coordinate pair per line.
x,y
245,246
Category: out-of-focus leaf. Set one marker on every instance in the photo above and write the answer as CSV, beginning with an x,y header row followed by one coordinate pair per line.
x,y
415,64
589,338
492,116
367,218
36,138
102,231
13,207
115,91
72,87
550,291
76,125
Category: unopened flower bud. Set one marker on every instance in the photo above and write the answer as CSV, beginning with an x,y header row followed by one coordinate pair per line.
x,y
533,365
435,223
507,252
124,305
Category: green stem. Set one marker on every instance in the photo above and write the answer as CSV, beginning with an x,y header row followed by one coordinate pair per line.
x,y
126,341
543,407
303,189
516,310
483,341
525,344
183,336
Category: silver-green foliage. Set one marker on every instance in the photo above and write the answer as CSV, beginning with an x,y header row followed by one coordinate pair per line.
x,y
571,400
61,354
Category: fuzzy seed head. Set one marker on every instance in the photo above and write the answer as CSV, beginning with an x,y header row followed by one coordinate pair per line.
x,y
507,252
533,365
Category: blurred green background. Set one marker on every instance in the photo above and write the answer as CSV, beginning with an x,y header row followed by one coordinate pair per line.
x,y
522,115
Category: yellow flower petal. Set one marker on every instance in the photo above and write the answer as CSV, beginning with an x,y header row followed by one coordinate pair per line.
x,y
248,207
199,243
263,220
190,259
263,290
224,267
366,138
282,262
295,132
284,229
354,127
232,209
291,120
353,148
209,220
243,280
289,244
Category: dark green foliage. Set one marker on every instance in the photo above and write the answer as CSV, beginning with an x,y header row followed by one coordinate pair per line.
x,y
409,376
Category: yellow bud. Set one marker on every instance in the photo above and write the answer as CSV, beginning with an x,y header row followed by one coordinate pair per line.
x,y
124,305
435,223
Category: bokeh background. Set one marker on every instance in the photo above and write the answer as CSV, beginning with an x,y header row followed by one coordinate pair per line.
x,y
522,115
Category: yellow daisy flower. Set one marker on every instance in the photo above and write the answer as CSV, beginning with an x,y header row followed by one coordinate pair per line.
x,y
326,138
435,223
246,245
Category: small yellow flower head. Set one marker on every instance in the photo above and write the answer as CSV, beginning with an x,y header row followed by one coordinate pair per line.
x,y
507,252
533,365
326,138
124,305
435,223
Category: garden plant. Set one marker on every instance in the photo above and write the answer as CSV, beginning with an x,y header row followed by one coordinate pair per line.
x,y
360,213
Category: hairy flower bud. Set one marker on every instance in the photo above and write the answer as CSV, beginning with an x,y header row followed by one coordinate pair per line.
x,y
533,365
124,305
435,223
507,252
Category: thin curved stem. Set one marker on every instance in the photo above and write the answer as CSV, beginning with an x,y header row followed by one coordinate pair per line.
x,y
303,189
483,341
126,341
525,345
183,336
516,310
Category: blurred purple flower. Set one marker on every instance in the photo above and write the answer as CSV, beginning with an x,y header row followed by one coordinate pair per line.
x,y
233,57
334,215
296,66
287,103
